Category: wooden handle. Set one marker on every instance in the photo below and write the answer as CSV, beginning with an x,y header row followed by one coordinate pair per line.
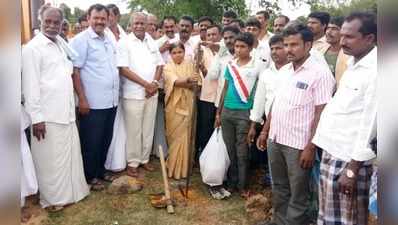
x,y
170,208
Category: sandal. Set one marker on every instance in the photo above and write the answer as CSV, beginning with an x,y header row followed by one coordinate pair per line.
x,y
25,215
132,171
54,208
109,178
97,185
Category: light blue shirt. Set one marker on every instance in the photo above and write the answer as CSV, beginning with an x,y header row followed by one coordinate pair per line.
x,y
98,69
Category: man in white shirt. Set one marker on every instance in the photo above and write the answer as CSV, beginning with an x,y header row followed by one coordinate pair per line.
x,y
48,90
261,51
224,55
347,127
318,22
265,91
263,17
169,24
206,109
140,65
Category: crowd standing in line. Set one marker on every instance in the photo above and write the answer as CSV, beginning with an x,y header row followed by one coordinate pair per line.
x,y
102,101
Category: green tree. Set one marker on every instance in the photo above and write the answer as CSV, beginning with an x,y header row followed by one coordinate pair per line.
x,y
194,8
339,7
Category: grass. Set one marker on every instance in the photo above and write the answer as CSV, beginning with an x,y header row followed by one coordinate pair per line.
x,y
101,208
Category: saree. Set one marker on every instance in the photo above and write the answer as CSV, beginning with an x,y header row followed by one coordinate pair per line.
x,y
179,118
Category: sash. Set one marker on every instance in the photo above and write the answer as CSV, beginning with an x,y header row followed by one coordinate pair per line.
x,y
241,84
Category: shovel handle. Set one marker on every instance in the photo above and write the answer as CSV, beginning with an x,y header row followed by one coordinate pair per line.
x,y
170,208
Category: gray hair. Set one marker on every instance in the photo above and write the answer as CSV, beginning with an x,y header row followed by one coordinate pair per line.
x,y
138,14
46,7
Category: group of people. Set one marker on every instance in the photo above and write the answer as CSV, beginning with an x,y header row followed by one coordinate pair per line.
x,y
305,94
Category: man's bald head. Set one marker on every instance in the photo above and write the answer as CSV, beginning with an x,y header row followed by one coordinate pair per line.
x,y
138,21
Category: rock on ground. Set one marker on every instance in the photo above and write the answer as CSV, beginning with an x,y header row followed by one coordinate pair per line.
x,y
125,185
258,207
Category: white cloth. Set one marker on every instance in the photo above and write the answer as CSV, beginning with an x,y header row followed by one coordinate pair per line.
x,y
217,70
29,184
189,46
262,55
348,122
112,36
265,93
59,165
160,132
160,42
142,58
68,50
139,117
266,38
116,157
47,82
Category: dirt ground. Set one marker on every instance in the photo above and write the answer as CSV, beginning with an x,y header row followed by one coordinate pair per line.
x,y
101,208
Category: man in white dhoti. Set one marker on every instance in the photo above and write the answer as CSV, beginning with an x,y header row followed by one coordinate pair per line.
x,y
49,101
140,65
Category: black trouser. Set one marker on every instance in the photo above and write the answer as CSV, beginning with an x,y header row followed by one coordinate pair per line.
x,y
95,133
205,124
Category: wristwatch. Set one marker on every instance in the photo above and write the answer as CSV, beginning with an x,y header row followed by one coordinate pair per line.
x,y
350,174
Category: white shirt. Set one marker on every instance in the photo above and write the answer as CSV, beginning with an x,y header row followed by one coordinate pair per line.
x,y
262,55
348,122
141,57
189,49
160,42
217,69
47,82
112,36
265,93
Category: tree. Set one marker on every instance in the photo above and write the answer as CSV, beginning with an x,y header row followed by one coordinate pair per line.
x,y
194,8
339,7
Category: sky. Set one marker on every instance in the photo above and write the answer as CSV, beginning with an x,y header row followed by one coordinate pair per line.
x,y
287,9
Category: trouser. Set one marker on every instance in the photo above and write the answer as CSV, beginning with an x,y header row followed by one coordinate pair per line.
x,y
205,124
96,130
290,185
139,120
235,126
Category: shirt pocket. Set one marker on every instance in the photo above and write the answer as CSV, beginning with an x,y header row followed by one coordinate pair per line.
x,y
350,96
297,96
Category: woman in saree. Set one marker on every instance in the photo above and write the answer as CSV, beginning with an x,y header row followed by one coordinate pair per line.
x,y
179,81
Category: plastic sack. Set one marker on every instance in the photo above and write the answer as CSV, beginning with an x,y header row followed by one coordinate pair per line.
x,y
214,160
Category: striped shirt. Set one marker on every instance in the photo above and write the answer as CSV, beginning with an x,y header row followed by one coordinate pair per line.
x,y
293,109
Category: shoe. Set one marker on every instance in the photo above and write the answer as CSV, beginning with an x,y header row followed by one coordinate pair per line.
x,y
215,193
224,192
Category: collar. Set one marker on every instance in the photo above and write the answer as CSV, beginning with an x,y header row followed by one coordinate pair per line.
x,y
251,63
369,60
322,39
43,39
92,33
135,38
309,62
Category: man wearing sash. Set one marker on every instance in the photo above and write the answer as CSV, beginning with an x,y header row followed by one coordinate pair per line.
x,y
236,101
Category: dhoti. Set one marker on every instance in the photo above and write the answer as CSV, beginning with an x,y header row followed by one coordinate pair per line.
x,y
59,166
